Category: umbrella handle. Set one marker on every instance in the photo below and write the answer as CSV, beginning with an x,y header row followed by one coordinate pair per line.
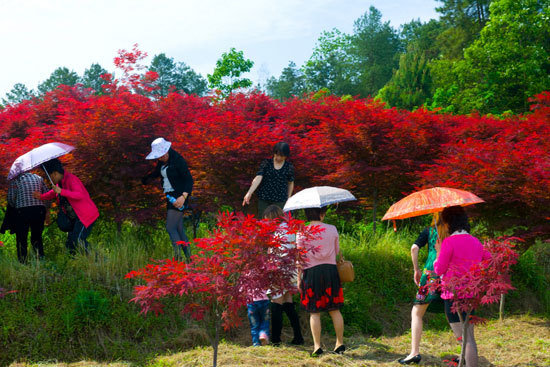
x,y
47,174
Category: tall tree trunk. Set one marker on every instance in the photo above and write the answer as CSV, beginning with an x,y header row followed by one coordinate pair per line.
x,y
501,308
216,342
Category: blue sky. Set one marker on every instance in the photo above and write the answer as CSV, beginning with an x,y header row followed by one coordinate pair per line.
x,y
37,36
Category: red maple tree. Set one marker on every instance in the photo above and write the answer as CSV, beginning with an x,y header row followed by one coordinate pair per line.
x,y
483,284
241,259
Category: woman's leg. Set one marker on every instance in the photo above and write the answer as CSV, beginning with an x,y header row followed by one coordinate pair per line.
x,y
174,219
290,310
471,355
37,227
338,322
315,325
417,313
80,234
276,319
21,235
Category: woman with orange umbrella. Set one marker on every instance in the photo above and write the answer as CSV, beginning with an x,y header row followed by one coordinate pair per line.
x,y
423,202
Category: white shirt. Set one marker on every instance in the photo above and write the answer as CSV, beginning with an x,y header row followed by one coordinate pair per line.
x,y
166,183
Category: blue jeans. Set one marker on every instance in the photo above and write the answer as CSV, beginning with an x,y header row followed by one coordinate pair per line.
x,y
258,315
78,235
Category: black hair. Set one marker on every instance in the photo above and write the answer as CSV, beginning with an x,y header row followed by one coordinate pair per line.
x,y
315,213
456,219
273,212
281,148
53,165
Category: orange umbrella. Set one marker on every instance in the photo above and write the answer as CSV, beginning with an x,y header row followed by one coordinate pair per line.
x,y
430,201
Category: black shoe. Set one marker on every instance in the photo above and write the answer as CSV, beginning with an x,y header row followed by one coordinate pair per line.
x,y
296,341
340,350
416,359
317,353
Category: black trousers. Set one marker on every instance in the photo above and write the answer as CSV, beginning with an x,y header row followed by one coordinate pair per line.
x,y
30,217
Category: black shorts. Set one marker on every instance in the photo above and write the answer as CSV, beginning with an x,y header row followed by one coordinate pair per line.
x,y
453,316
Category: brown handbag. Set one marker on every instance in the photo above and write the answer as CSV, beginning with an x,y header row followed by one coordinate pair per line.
x,y
345,270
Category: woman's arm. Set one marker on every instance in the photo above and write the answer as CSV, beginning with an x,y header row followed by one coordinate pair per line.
x,y
148,177
12,193
290,188
414,257
441,264
255,183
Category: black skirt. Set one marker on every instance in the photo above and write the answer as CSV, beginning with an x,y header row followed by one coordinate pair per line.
x,y
321,289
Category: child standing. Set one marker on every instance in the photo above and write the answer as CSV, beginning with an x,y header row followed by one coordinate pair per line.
x,y
281,301
258,315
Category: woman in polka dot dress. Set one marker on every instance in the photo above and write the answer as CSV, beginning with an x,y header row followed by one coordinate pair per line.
x,y
274,180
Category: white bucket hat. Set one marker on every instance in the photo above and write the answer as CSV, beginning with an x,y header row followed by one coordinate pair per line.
x,y
159,147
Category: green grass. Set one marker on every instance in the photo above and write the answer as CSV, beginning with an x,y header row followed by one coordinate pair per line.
x,y
71,309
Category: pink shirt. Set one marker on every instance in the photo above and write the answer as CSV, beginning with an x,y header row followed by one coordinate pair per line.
x,y
328,247
459,251
77,195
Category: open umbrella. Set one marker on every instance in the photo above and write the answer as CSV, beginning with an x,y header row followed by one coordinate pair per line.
x,y
317,197
37,156
430,201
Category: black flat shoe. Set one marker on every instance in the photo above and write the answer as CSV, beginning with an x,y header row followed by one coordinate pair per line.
x,y
297,341
416,359
317,353
340,350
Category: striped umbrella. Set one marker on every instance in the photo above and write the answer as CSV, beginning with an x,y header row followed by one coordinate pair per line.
x,y
430,201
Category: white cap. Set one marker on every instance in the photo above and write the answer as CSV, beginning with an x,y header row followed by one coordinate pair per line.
x,y
159,147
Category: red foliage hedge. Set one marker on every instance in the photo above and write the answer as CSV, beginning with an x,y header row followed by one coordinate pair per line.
x,y
378,153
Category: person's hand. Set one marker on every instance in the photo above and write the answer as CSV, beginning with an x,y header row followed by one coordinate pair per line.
x,y
246,200
179,202
57,190
48,218
417,275
36,195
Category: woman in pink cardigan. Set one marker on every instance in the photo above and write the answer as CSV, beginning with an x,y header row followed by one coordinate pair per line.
x,y
457,253
74,200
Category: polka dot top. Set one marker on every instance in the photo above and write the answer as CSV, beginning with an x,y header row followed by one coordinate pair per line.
x,y
274,185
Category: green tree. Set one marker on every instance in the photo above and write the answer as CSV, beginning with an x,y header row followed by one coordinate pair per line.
x,y
60,76
290,83
176,76
92,78
422,37
463,20
376,46
410,85
227,74
332,65
509,63
18,93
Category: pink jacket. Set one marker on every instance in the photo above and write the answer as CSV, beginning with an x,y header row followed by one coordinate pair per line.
x,y
458,251
328,247
77,195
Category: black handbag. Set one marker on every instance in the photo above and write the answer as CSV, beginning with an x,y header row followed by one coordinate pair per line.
x,y
66,217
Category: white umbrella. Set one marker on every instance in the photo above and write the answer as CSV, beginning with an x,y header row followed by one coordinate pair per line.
x,y
317,197
37,156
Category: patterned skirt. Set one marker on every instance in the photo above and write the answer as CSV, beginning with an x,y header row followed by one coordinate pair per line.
x,y
321,289
425,295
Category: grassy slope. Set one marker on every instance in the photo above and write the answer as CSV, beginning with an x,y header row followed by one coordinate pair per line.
x,y
517,341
